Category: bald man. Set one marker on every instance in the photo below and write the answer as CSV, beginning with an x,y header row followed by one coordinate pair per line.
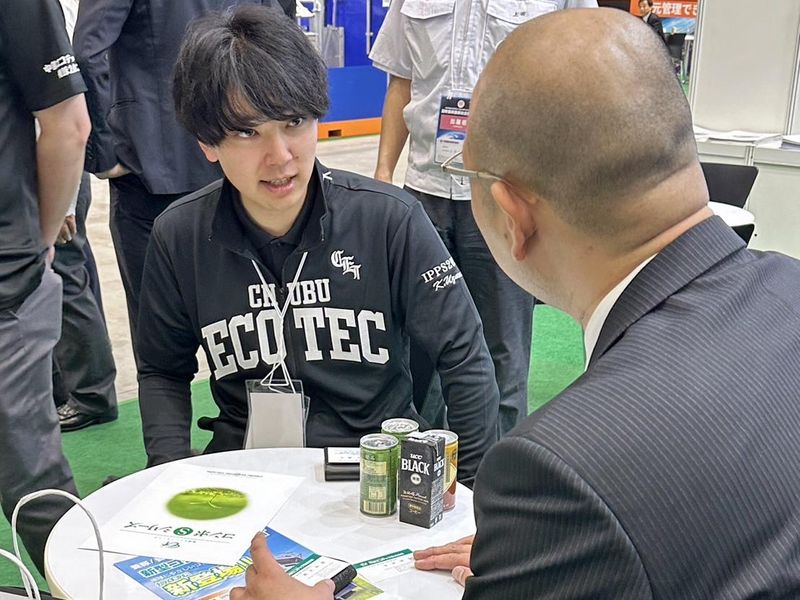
x,y
671,469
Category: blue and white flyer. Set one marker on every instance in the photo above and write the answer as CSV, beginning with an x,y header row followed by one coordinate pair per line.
x,y
197,514
174,579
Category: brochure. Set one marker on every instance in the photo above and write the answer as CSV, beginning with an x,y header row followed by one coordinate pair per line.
x,y
197,514
175,579
178,580
316,568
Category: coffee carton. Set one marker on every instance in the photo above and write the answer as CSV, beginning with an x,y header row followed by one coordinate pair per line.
x,y
421,479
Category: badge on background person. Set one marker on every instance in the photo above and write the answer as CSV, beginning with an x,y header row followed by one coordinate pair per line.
x,y
451,130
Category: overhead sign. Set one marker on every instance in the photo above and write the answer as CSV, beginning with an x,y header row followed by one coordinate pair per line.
x,y
670,9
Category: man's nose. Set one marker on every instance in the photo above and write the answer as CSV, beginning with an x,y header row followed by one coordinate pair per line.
x,y
277,150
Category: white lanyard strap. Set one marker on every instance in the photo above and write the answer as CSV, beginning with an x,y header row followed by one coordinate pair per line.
x,y
281,312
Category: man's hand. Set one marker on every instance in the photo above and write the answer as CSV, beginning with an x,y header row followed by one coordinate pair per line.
x,y
453,557
67,231
118,170
265,579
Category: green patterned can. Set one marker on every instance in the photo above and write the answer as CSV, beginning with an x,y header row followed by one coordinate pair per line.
x,y
378,475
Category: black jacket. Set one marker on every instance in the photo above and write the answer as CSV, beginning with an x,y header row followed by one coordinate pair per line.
x,y
669,470
127,50
376,274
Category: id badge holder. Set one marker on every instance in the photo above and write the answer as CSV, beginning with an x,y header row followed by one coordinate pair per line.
x,y
451,128
277,414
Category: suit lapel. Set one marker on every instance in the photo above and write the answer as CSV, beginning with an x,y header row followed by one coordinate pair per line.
x,y
682,261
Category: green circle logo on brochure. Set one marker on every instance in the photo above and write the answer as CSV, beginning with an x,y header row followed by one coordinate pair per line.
x,y
204,504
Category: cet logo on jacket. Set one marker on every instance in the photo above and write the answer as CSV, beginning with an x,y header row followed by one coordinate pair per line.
x,y
345,263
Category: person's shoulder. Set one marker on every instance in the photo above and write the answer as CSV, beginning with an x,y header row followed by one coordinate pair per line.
x,y
193,208
365,192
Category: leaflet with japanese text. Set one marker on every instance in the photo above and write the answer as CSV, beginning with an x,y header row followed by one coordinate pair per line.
x,y
197,514
178,580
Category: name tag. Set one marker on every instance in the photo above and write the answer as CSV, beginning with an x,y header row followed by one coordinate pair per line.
x,y
277,417
451,130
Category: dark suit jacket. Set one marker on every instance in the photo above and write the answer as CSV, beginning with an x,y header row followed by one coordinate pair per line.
x,y
126,50
671,469
655,22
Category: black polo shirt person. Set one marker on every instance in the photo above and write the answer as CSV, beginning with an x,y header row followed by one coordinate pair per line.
x,y
38,178
286,264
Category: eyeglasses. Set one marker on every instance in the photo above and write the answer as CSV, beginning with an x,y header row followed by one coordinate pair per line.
x,y
448,167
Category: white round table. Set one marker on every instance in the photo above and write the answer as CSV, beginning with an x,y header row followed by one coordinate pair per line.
x,y
732,215
321,515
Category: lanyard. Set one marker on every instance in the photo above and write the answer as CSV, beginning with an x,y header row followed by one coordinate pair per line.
x,y
281,364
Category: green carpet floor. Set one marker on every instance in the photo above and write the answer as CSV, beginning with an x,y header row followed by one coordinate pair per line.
x,y
117,449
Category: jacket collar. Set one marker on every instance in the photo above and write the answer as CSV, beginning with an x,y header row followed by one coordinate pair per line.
x,y
227,230
679,263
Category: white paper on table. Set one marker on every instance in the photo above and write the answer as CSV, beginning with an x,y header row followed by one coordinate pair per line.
x,y
146,526
317,568
387,566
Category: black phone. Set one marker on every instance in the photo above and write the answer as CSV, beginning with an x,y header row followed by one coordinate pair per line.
x,y
343,578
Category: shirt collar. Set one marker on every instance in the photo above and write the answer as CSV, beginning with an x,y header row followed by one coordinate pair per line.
x,y
228,229
600,314
261,238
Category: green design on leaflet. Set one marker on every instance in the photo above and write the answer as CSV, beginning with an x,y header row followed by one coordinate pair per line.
x,y
204,504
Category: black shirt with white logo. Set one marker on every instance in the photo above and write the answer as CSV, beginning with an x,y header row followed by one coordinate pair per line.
x,y
371,275
37,71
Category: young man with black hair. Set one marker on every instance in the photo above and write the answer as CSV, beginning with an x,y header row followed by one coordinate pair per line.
x,y
284,260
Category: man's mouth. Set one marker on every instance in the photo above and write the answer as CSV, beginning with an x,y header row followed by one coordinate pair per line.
x,y
279,182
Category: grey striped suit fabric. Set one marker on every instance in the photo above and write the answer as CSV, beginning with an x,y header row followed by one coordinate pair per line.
x,y
671,469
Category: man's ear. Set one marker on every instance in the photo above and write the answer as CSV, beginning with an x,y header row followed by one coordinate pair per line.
x,y
209,151
520,222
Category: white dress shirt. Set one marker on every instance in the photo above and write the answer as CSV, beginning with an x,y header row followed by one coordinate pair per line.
x,y
442,47
592,332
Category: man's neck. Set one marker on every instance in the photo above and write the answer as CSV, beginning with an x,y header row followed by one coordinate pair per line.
x,y
277,223
604,273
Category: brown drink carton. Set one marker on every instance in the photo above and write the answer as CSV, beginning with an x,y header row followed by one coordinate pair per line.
x,y
421,479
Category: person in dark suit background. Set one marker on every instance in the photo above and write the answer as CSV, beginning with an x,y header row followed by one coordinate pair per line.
x,y
126,50
671,468
651,18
